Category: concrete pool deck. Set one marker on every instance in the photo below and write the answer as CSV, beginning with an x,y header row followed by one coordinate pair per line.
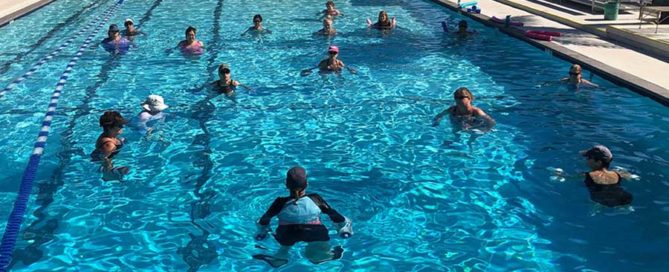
x,y
13,9
616,62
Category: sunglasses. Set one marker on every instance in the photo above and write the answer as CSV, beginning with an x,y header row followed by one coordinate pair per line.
x,y
574,73
257,21
332,52
461,97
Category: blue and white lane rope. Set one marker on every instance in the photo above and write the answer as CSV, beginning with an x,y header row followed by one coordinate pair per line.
x,y
48,57
21,204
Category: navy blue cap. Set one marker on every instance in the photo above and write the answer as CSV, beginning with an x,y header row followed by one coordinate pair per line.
x,y
113,28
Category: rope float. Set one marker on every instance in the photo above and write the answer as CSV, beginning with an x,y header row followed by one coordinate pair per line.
x,y
20,205
48,57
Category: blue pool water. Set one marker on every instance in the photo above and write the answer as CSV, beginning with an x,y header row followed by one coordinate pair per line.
x,y
421,198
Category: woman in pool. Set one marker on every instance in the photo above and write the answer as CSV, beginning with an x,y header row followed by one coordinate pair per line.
x,y
330,9
257,27
328,29
383,22
463,29
225,84
464,115
109,144
130,30
602,183
191,45
299,221
152,110
575,78
330,64
114,43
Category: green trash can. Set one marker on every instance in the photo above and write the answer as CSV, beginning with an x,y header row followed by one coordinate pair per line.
x,y
611,10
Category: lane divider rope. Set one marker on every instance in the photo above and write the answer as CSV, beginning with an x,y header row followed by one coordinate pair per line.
x,y
20,205
48,57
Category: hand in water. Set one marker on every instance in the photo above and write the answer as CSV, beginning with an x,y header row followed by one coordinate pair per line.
x,y
557,174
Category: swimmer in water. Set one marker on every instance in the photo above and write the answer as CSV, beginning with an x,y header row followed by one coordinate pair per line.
x,y
299,221
463,29
152,111
257,27
109,144
575,78
330,10
328,29
464,115
130,31
602,183
383,22
330,64
114,43
191,45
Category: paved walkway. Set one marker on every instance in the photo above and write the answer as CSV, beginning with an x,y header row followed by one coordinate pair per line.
x,y
12,9
629,64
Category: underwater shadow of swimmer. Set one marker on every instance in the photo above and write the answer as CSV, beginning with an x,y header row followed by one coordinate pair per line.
x,y
198,252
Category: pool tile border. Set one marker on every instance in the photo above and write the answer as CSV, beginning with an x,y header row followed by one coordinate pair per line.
x,y
614,75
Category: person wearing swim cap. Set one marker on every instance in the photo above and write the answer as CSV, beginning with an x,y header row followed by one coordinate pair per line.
x,y
225,84
130,31
602,183
328,29
299,221
191,45
114,43
383,22
257,27
464,115
575,78
109,144
330,64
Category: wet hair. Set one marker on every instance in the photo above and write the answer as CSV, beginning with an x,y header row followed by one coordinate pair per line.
x,y
387,21
189,29
330,3
112,119
463,91
462,23
605,163
257,16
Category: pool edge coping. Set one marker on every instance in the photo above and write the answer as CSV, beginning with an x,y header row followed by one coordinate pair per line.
x,y
617,76
23,12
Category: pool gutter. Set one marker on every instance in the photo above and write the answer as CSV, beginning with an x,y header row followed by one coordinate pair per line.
x,y
614,75
23,11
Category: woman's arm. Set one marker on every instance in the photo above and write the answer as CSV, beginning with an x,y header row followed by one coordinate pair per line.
x,y
273,210
326,209
489,122
437,119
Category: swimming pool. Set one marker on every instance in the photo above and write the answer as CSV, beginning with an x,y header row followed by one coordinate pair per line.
x,y
421,198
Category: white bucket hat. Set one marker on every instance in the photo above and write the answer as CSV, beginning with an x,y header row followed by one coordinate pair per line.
x,y
154,103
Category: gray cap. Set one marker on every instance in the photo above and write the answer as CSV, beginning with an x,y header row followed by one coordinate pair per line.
x,y
598,152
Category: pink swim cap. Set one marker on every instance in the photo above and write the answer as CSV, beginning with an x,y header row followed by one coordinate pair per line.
x,y
333,48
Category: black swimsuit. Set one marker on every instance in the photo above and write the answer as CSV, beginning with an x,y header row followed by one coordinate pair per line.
x,y
98,154
609,195
227,88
